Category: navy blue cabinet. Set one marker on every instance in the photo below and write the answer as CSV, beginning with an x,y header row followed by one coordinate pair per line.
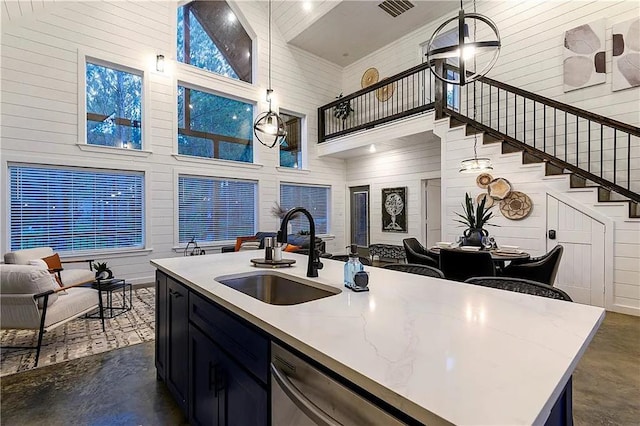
x,y
161,324
222,392
178,341
214,363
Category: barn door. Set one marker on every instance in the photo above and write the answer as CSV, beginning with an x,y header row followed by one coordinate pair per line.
x,y
581,272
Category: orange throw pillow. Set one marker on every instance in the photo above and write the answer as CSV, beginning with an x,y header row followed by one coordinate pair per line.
x,y
54,264
240,240
291,248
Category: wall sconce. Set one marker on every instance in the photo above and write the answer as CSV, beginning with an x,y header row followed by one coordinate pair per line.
x,y
160,63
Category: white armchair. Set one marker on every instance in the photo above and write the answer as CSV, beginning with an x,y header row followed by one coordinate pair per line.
x,y
68,277
31,299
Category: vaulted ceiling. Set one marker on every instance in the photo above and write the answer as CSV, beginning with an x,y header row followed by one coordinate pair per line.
x,y
339,31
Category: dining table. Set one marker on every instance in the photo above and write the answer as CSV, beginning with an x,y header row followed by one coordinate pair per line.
x,y
498,256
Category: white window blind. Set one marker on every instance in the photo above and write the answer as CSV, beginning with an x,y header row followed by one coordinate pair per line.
x,y
313,198
213,209
75,210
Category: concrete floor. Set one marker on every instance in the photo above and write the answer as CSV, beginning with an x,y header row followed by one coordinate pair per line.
x,y
120,387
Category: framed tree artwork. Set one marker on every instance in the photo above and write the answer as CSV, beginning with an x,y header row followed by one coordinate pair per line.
x,y
394,209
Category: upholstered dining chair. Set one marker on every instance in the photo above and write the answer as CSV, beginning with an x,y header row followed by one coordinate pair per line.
x,y
458,265
31,299
417,254
411,268
520,285
542,269
345,257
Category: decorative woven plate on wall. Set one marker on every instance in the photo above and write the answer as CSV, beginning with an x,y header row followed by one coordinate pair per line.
x,y
485,196
517,205
385,92
483,180
499,188
369,77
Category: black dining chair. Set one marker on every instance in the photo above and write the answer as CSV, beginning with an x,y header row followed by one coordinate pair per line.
x,y
542,269
345,258
411,268
417,254
458,265
520,285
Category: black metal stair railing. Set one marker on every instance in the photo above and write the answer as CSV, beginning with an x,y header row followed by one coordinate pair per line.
x,y
407,93
597,148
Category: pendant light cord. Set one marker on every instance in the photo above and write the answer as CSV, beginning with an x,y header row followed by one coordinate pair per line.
x,y
269,50
475,67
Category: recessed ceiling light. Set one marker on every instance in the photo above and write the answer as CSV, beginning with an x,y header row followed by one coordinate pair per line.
x,y
372,148
307,6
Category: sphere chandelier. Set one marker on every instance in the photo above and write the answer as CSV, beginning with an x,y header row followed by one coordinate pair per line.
x,y
466,48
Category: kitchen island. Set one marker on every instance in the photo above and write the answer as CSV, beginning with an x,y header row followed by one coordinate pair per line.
x,y
438,351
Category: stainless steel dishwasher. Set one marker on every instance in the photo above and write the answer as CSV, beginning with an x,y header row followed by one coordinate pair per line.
x,y
302,395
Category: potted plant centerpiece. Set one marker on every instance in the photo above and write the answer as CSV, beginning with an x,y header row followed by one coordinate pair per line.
x,y
475,218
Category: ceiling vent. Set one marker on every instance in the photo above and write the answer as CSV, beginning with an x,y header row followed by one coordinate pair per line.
x,y
395,7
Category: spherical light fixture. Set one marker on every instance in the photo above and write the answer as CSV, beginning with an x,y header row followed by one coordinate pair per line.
x,y
466,48
269,128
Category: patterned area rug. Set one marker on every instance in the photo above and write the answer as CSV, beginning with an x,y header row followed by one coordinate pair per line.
x,y
81,337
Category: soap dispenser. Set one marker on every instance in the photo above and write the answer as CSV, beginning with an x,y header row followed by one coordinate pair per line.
x,y
352,266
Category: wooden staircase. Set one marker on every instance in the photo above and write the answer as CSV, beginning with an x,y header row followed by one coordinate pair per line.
x,y
576,181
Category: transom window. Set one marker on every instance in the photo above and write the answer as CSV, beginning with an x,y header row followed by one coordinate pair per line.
x,y
291,148
114,107
213,209
314,198
211,37
214,127
75,209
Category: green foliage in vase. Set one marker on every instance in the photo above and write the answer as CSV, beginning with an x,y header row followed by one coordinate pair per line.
x,y
475,217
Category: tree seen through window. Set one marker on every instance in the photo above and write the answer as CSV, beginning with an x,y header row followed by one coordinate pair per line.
x,y
210,37
114,107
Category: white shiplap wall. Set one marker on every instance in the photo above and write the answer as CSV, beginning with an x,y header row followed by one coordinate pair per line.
x,y
40,95
403,167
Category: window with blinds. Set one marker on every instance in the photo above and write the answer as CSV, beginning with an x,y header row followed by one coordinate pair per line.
x,y
213,209
313,198
75,210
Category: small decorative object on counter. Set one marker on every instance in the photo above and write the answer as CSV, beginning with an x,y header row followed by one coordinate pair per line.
x,y
352,267
268,248
102,271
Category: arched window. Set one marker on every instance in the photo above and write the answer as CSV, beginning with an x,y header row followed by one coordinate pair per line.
x,y
211,37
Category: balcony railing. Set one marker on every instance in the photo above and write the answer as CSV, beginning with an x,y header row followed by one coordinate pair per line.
x,y
408,93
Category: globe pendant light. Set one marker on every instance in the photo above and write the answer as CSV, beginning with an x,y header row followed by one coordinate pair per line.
x,y
465,49
269,128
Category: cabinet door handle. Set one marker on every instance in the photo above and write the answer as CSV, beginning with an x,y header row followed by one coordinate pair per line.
x,y
219,379
175,294
301,401
212,374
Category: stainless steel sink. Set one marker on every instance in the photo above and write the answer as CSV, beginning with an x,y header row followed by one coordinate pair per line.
x,y
277,289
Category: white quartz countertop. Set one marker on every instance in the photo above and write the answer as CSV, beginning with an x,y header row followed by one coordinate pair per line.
x,y
440,351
